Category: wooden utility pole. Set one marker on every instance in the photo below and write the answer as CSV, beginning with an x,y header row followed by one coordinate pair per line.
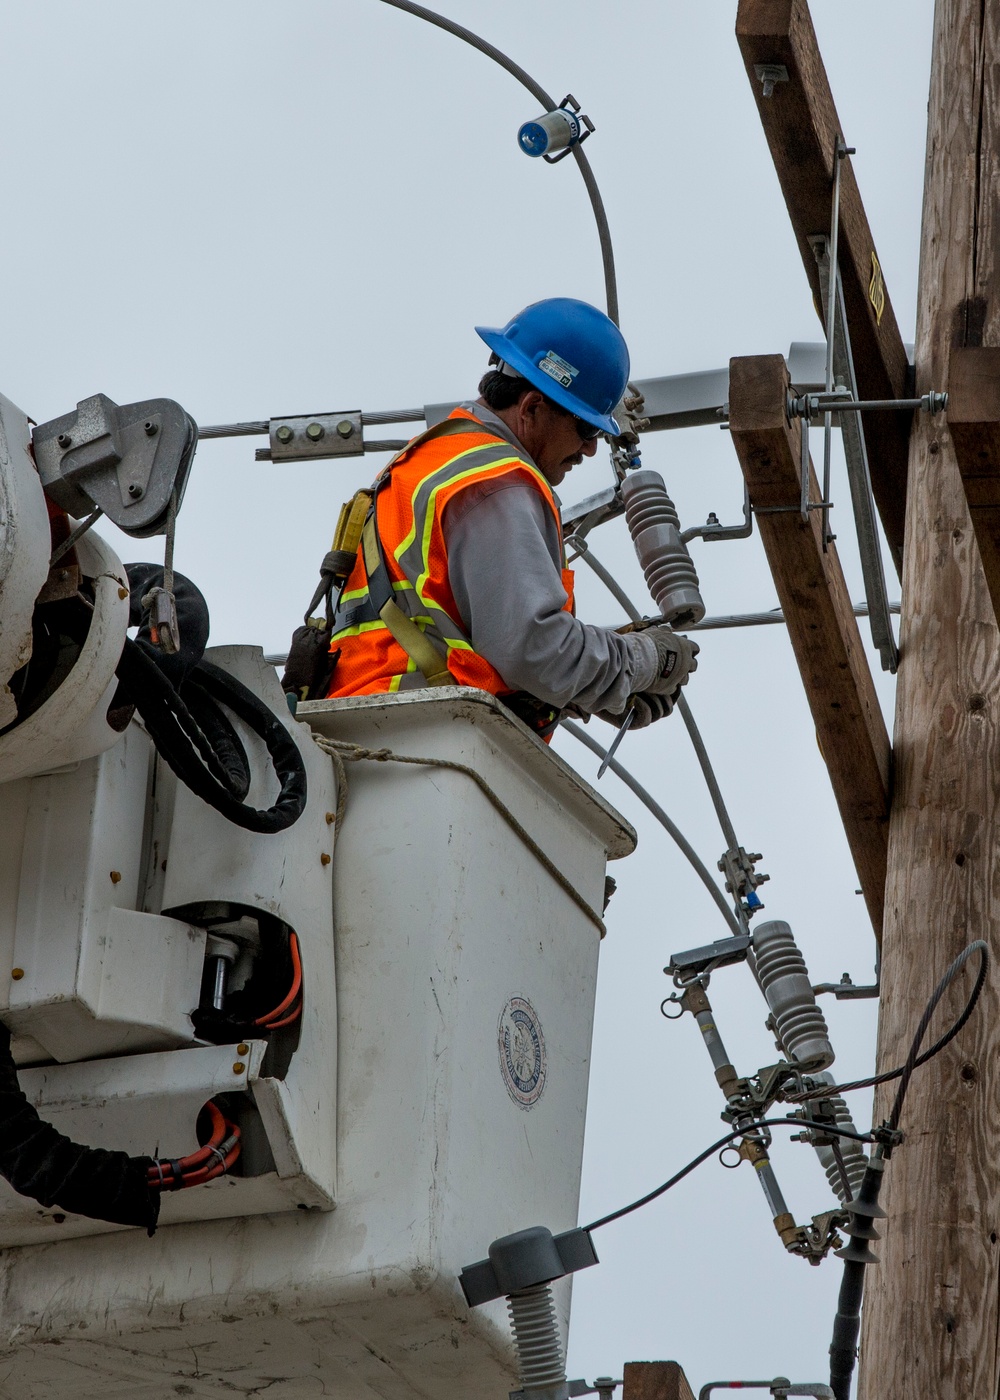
x,y
932,1314
655,1380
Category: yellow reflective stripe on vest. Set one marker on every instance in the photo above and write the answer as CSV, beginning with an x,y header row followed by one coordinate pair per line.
x,y
411,554
405,632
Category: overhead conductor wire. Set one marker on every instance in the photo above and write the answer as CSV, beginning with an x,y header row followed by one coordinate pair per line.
x,y
549,104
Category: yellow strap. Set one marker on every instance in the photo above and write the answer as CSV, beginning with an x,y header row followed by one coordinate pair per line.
x,y
417,645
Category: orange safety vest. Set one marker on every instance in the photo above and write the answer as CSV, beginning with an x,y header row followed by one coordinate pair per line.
x,y
410,499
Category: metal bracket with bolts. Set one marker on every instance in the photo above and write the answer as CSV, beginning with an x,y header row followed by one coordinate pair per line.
x,y
603,1386
779,1387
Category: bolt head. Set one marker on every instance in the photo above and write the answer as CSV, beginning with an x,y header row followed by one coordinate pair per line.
x,y
315,431
64,440
239,1067
150,428
135,490
345,427
284,433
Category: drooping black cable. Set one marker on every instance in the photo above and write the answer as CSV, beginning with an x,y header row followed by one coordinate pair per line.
x,y
717,1146
913,1060
908,1068
548,103
44,1164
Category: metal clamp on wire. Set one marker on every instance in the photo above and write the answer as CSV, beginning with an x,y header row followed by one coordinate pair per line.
x,y
160,602
559,130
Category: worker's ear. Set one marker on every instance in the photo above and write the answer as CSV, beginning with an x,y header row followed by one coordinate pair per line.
x,y
529,404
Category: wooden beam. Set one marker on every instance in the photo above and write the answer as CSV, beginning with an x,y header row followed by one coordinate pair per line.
x,y
819,615
801,125
932,1314
655,1380
974,421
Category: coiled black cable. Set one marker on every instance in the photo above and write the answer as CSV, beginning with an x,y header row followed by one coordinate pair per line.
x,y
184,746
181,697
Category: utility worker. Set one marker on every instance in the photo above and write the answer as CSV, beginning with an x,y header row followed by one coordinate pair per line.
x,y
461,576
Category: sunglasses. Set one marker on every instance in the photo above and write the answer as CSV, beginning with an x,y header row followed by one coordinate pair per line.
x,y
585,431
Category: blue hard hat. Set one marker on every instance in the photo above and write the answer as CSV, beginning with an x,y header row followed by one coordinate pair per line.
x,y
570,352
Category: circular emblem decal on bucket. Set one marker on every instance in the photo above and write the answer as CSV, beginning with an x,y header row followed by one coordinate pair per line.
x,y
522,1052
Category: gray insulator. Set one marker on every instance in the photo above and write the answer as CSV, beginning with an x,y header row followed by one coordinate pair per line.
x,y
855,1161
666,563
798,1022
536,1336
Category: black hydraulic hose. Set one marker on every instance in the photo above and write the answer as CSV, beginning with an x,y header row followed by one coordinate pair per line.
x,y
44,1164
715,1147
549,104
185,747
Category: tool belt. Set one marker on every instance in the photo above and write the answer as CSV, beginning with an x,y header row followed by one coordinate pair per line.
x,y
540,717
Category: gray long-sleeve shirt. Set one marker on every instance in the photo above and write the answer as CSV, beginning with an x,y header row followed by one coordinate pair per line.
x,y
504,566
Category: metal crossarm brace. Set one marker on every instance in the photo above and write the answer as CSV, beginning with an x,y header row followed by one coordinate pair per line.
x,y
820,617
858,474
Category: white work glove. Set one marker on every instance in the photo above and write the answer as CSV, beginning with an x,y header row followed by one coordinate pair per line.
x,y
677,659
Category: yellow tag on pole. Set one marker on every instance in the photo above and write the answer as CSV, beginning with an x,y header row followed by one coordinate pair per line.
x,y
876,290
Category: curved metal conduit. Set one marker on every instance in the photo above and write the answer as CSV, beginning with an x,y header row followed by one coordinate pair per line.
x,y
549,104
698,743
718,801
672,830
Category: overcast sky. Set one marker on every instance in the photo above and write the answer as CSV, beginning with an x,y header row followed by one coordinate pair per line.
x,y
261,209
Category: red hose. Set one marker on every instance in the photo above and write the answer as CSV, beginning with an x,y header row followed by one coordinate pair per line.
x,y
269,1020
202,1165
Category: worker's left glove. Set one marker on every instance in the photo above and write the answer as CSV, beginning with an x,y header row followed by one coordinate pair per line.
x,y
647,707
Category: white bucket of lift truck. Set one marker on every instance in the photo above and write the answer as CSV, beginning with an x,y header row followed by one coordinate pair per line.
x,y
465,985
